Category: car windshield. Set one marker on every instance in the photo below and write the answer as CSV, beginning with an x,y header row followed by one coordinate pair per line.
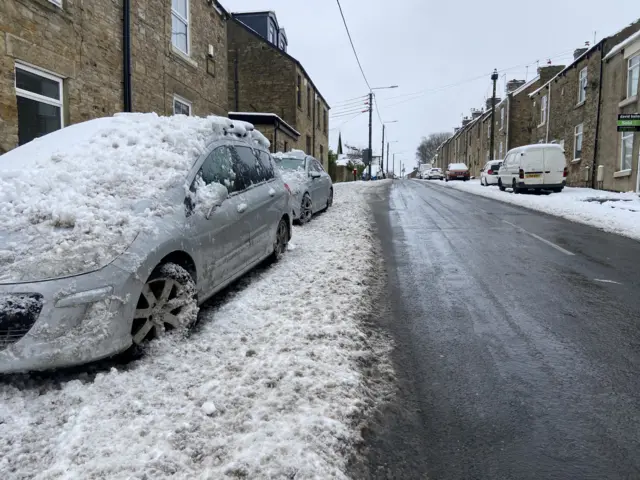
x,y
288,163
435,170
457,166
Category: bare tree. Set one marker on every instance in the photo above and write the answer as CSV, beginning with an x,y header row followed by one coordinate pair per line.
x,y
353,153
429,145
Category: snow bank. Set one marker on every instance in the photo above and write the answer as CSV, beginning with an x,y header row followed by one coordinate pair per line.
x,y
270,386
70,201
612,212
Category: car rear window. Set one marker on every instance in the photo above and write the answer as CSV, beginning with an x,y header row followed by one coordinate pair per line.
x,y
290,163
495,166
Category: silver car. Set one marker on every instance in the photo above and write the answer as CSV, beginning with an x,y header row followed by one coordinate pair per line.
x,y
311,187
230,211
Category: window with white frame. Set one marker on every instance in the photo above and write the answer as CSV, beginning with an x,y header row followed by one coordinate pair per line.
x,y
39,99
57,2
577,141
500,151
626,152
180,25
272,34
543,110
181,106
633,73
582,85
488,130
501,118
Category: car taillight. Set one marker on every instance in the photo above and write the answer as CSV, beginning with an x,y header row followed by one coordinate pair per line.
x,y
565,172
490,172
521,173
288,189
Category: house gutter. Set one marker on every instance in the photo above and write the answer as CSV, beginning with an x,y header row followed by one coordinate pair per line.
x,y
595,144
126,55
546,140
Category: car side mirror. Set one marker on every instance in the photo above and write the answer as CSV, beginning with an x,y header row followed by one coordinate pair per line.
x,y
314,174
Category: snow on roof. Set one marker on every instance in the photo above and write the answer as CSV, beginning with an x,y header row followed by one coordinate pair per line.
x,y
71,200
623,44
525,86
266,115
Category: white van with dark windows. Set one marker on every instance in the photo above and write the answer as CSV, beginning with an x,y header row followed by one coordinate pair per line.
x,y
534,167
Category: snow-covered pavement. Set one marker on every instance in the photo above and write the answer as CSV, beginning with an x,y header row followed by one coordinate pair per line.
x,y
613,212
271,385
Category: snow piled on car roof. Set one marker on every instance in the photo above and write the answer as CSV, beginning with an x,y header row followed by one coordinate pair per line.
x,y
70,201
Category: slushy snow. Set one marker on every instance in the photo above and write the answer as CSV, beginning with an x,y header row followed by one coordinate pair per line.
x,y
612,212
271,384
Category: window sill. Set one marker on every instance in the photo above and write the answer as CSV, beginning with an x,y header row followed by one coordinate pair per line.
x,y
183,56
541,125
580,104
622,173
628,101
576,160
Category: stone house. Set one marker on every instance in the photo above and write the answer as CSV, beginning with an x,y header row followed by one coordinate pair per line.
x,y
264,78
567,109
619,153
67,61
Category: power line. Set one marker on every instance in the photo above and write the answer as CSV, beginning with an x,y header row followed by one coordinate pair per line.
x,y
349,100
352,45
347,120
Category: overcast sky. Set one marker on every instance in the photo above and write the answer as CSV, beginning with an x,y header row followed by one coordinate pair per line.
x,y
423,45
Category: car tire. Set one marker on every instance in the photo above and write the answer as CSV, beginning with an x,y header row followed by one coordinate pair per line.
x,y
557,190
500,185
306,209
167,302
514,186
281,241
330,199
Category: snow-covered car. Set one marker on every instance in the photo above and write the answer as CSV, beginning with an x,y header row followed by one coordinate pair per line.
x,y
457,171
113,231
311,187
434,173
489,173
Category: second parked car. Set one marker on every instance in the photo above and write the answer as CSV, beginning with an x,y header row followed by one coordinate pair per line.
x,y
489,173
311,187
457,171
434,173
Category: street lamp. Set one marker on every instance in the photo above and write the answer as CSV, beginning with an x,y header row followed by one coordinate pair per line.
x,y
382,153
371,121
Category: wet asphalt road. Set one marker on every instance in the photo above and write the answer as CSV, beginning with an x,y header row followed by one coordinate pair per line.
x,y
515,359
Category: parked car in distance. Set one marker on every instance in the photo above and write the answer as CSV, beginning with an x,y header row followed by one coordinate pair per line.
x,y
434,173
457,171
489,173
534,167
311,187
123,226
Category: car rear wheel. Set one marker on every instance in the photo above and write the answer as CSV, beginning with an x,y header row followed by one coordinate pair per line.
x,y
330,199
500,185
167,302
281,241
306,209
514,186
557,190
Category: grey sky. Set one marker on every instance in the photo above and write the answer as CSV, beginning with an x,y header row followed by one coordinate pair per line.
x,y
426,44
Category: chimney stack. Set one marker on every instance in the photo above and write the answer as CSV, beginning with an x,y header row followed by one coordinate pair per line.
x,y
475,113
547,73
465,121
513,85
489,100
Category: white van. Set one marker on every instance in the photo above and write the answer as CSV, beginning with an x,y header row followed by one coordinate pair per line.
x,y
534,167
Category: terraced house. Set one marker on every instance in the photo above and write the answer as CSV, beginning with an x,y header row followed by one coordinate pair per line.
x,y
66,61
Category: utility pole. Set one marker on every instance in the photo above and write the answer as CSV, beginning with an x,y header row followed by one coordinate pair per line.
x,y
382,154
388,157
370,132
494,78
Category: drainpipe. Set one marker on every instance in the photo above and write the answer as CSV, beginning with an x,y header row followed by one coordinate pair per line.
x,y
313,128
546,140
506,149
236,81
275,136
594,168
126,54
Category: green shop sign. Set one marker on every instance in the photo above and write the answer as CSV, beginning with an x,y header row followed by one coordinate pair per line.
x,y
629,122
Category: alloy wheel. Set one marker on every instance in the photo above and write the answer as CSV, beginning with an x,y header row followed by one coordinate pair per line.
x,y
159,307
306,209
282,238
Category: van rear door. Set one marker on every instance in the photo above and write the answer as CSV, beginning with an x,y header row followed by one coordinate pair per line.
x,y
554,163
533,166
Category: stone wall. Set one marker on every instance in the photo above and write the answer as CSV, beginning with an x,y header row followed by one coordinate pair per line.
x,y
80,43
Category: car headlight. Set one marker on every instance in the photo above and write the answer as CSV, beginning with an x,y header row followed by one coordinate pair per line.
x,y
83,298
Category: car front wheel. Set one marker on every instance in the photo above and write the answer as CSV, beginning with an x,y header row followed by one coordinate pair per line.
x,y
306,209
501,186
167,302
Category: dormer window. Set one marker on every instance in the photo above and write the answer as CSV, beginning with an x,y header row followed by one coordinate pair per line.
x,y
272,34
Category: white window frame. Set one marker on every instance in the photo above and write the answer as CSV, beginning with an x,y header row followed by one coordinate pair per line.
x,y
630,86
582,85
623,137
41,98
186,22
543,110
575,140
57,3
500,150
271,34
501,118
184,101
